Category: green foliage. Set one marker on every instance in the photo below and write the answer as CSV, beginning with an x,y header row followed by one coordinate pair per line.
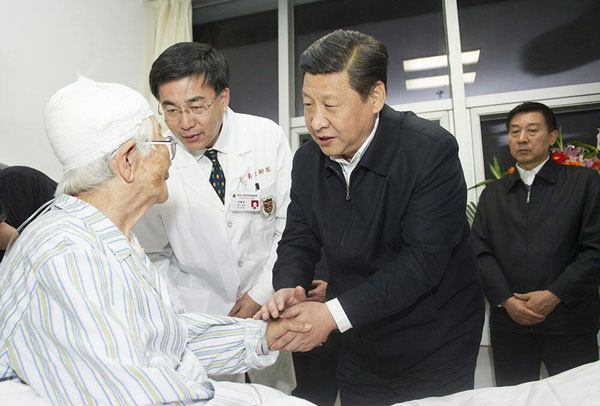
x,y
495,168
559,141
496,171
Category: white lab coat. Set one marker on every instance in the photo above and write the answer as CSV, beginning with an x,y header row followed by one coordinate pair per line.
x,y
209,254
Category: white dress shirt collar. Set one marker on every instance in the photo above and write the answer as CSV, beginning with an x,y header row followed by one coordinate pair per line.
x,y
527,176
348,166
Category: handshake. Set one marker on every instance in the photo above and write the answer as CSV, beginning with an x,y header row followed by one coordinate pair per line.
x,y
297,322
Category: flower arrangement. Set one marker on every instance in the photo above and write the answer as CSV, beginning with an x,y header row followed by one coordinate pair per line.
x,y
576,153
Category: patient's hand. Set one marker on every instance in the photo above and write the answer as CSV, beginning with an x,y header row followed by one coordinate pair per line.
x,y
281,331
322,322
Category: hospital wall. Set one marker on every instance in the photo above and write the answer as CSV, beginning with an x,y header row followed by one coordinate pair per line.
x,y
45,45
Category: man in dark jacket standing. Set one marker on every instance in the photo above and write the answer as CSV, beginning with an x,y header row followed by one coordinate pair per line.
x,y
537,241
383,192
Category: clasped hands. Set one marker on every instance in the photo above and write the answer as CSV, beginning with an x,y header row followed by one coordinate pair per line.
x,y
290,307
531,308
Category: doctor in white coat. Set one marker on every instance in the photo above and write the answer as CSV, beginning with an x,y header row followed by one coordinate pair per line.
x,y
215,238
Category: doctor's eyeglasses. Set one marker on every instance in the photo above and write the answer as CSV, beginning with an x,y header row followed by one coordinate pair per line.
x,y
174,113
168,142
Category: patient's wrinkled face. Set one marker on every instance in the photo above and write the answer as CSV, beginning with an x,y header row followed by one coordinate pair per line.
x,y
156,168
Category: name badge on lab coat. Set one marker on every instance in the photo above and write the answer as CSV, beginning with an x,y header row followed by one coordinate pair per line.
x,y
245,202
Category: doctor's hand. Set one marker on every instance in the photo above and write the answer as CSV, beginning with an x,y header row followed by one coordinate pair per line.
x,y
540,301
281,331
281,300
244,307
319,316
518,311
318,291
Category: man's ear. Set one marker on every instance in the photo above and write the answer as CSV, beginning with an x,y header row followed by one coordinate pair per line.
x,y
377,96
553,136
123,163
225,99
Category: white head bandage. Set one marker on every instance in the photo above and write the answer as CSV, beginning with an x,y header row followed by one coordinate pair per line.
x,y
87,120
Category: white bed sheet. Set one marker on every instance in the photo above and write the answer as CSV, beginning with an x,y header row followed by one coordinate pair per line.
x,y
577,387
14,393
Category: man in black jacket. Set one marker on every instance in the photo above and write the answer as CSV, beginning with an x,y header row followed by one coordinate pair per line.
x,y
383,192
22,190
537,241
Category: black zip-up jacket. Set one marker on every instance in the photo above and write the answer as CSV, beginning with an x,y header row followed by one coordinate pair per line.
x,y
551,242
397,244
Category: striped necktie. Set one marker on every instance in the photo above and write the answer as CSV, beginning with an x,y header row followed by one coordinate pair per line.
x,y
217,177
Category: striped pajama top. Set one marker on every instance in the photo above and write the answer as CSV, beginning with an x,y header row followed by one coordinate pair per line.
x,y
85,319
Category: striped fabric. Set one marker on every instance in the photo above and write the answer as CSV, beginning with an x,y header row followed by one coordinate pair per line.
x,y
86,320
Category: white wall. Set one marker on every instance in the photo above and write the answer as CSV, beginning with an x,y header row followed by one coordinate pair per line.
x,y
44,45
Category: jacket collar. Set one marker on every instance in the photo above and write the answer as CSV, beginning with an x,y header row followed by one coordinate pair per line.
x,y
379,154
331,164
549,173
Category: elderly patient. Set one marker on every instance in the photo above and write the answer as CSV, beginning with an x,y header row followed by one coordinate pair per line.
x,y
84,316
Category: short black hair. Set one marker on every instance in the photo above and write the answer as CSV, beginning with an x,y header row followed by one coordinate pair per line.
x,y
531,107
186,59
362,56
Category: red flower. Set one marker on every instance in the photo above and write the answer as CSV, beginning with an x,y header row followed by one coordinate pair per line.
x,y
511,169
573,163
559,157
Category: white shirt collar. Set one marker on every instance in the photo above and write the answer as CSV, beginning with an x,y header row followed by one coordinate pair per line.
x,y
527,176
